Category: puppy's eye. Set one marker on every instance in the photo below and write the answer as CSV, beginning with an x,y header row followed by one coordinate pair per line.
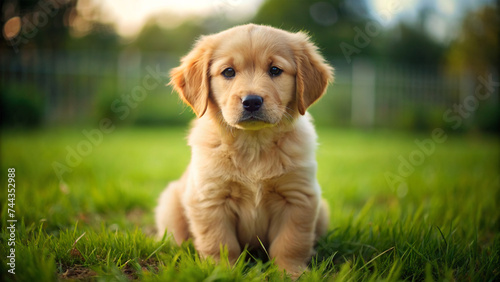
x,y
229,73
275,71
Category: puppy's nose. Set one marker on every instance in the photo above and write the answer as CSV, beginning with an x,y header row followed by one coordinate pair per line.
x,y
252,103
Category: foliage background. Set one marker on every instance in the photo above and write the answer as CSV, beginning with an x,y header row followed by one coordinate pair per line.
x,y
70,67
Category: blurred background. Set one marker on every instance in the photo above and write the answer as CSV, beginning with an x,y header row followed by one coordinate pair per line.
x,y
72,71
409,64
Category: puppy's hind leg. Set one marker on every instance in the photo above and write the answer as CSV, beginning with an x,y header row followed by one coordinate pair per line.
x,y
170,213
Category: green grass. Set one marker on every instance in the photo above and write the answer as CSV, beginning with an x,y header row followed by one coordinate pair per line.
x,y
97,223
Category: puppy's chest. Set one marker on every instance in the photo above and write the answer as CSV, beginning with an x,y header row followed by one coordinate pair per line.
x,y
257,163
246,180
252,211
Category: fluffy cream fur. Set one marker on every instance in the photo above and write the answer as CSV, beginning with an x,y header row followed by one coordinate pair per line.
x,y
250,180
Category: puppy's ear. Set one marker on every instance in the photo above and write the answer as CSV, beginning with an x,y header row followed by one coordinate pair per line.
x,y
313,73
191,78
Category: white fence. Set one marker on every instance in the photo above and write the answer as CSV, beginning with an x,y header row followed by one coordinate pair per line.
x,y
364,94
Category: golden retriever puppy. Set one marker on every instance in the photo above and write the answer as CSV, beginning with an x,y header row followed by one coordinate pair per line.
x,y
252,175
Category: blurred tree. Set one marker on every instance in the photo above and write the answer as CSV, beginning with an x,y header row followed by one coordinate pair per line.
x,y
42,23
156,35
346,29
330,23
475,53
412,46
101,37
476,48
172,40
53,25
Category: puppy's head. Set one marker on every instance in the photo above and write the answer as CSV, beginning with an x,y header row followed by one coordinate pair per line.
x,y
253,76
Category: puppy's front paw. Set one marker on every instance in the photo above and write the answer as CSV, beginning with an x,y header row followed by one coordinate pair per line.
x,y
294,269
296,274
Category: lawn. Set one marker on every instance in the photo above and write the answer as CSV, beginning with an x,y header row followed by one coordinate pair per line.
x,y
95,221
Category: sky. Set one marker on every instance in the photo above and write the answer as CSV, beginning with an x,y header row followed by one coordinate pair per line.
x,y
128,16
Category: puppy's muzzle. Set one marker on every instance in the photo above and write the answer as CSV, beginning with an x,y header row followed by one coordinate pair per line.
x,y
252,103
253,114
